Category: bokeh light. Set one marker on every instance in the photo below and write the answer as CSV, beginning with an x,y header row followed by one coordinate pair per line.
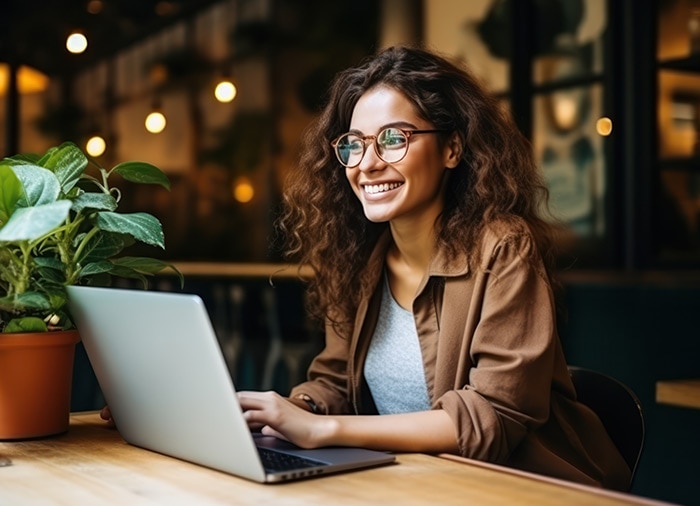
x,y
76,43
604,126
225,91
155,122
95,146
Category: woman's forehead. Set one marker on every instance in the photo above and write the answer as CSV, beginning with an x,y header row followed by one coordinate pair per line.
x,y
381,106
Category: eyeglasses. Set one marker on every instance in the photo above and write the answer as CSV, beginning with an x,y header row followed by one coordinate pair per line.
x,y
391,145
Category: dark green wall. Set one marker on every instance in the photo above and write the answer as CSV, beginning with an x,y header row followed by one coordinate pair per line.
x,y
642,332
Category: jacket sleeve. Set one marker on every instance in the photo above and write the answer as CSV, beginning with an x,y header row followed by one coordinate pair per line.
x,y
511,354
327,376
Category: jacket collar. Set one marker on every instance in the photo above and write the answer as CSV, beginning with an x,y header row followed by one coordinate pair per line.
x,y
445,265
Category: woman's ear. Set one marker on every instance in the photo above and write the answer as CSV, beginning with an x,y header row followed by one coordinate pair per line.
x,y
453,151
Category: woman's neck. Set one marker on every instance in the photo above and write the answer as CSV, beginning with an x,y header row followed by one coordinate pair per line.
x,y
413,246
408,259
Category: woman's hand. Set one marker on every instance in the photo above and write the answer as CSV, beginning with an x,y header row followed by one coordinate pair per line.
x,y
106,414
285,418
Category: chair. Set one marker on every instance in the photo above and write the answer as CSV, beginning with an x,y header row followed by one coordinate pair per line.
x,y
618,408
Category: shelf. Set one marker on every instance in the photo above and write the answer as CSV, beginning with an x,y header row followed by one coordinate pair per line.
x,y
684,393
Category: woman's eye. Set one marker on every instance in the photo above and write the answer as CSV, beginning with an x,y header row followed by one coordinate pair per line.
x,y
350,144
392,139
354,146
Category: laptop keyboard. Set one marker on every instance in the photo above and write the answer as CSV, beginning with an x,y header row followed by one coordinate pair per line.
x,y
274,461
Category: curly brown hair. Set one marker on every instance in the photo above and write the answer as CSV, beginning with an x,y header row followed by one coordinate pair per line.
x,y
496,179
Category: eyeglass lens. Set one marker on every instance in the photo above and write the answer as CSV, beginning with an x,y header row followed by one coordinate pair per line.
x,y
391,145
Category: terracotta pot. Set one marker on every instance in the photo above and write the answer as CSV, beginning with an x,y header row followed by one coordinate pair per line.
x,y
36,372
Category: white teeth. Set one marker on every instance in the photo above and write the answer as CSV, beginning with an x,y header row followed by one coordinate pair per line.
x,y
379,188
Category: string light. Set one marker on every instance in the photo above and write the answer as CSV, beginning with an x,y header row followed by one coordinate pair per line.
x,y
243,190
95,146
155,121
76,43
225,91
604,126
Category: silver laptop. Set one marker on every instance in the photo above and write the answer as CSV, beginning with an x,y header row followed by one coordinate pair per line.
x,y
163,375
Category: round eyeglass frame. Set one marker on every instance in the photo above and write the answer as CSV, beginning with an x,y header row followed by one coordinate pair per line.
x,y
364,138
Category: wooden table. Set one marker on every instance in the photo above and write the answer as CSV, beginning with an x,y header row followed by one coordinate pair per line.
x,y
91,464
683,393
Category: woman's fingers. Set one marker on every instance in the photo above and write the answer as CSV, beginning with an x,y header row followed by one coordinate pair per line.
x,y
269,431
259,408
106,414
277,416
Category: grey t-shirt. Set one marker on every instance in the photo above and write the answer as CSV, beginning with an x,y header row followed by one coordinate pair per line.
x,y
394,366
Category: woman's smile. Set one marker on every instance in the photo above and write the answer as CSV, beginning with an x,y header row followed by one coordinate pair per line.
x,y
380,188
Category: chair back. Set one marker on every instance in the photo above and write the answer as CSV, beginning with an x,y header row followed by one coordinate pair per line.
x,y
618,408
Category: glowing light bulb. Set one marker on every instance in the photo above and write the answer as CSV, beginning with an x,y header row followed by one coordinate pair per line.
x,y
243,190
604,126
155,122
95,146
566,112
225,91
76,43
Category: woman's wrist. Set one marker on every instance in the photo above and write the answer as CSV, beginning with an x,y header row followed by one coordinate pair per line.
x,y
326,428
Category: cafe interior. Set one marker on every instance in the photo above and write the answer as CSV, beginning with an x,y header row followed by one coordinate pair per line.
x,y
217,93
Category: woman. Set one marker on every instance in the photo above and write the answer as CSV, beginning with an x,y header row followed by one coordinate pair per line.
x,y
417,204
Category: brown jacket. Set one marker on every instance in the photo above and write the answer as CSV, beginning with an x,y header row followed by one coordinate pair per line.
x,y
493,362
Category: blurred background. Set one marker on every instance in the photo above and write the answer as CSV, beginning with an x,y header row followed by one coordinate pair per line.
x,y
608,92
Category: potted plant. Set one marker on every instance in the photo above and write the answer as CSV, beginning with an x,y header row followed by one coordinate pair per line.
x,y
59,226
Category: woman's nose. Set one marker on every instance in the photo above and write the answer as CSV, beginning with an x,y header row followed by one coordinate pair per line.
x,y
370,160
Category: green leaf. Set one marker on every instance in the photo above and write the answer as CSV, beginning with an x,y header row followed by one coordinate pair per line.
x,y
126,272
57,299
30,223
97,201
32,300
96,268
67,162
10,192
49,262
102,279
7,303
142,226
142,172
26,324
43,158
141,264
147,266
40,185
104,245
50,277
23,159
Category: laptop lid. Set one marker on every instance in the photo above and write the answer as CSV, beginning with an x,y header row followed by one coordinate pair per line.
x,y
164,377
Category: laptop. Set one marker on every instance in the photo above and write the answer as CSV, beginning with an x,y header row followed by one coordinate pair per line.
x,y
164,377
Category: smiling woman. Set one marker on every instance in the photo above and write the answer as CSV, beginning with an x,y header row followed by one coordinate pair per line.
x,y
432,271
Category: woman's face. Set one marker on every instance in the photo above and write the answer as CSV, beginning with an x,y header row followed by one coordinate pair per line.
x,y
408,190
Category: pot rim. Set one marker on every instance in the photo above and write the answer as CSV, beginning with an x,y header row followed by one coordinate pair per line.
x,y
49,338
